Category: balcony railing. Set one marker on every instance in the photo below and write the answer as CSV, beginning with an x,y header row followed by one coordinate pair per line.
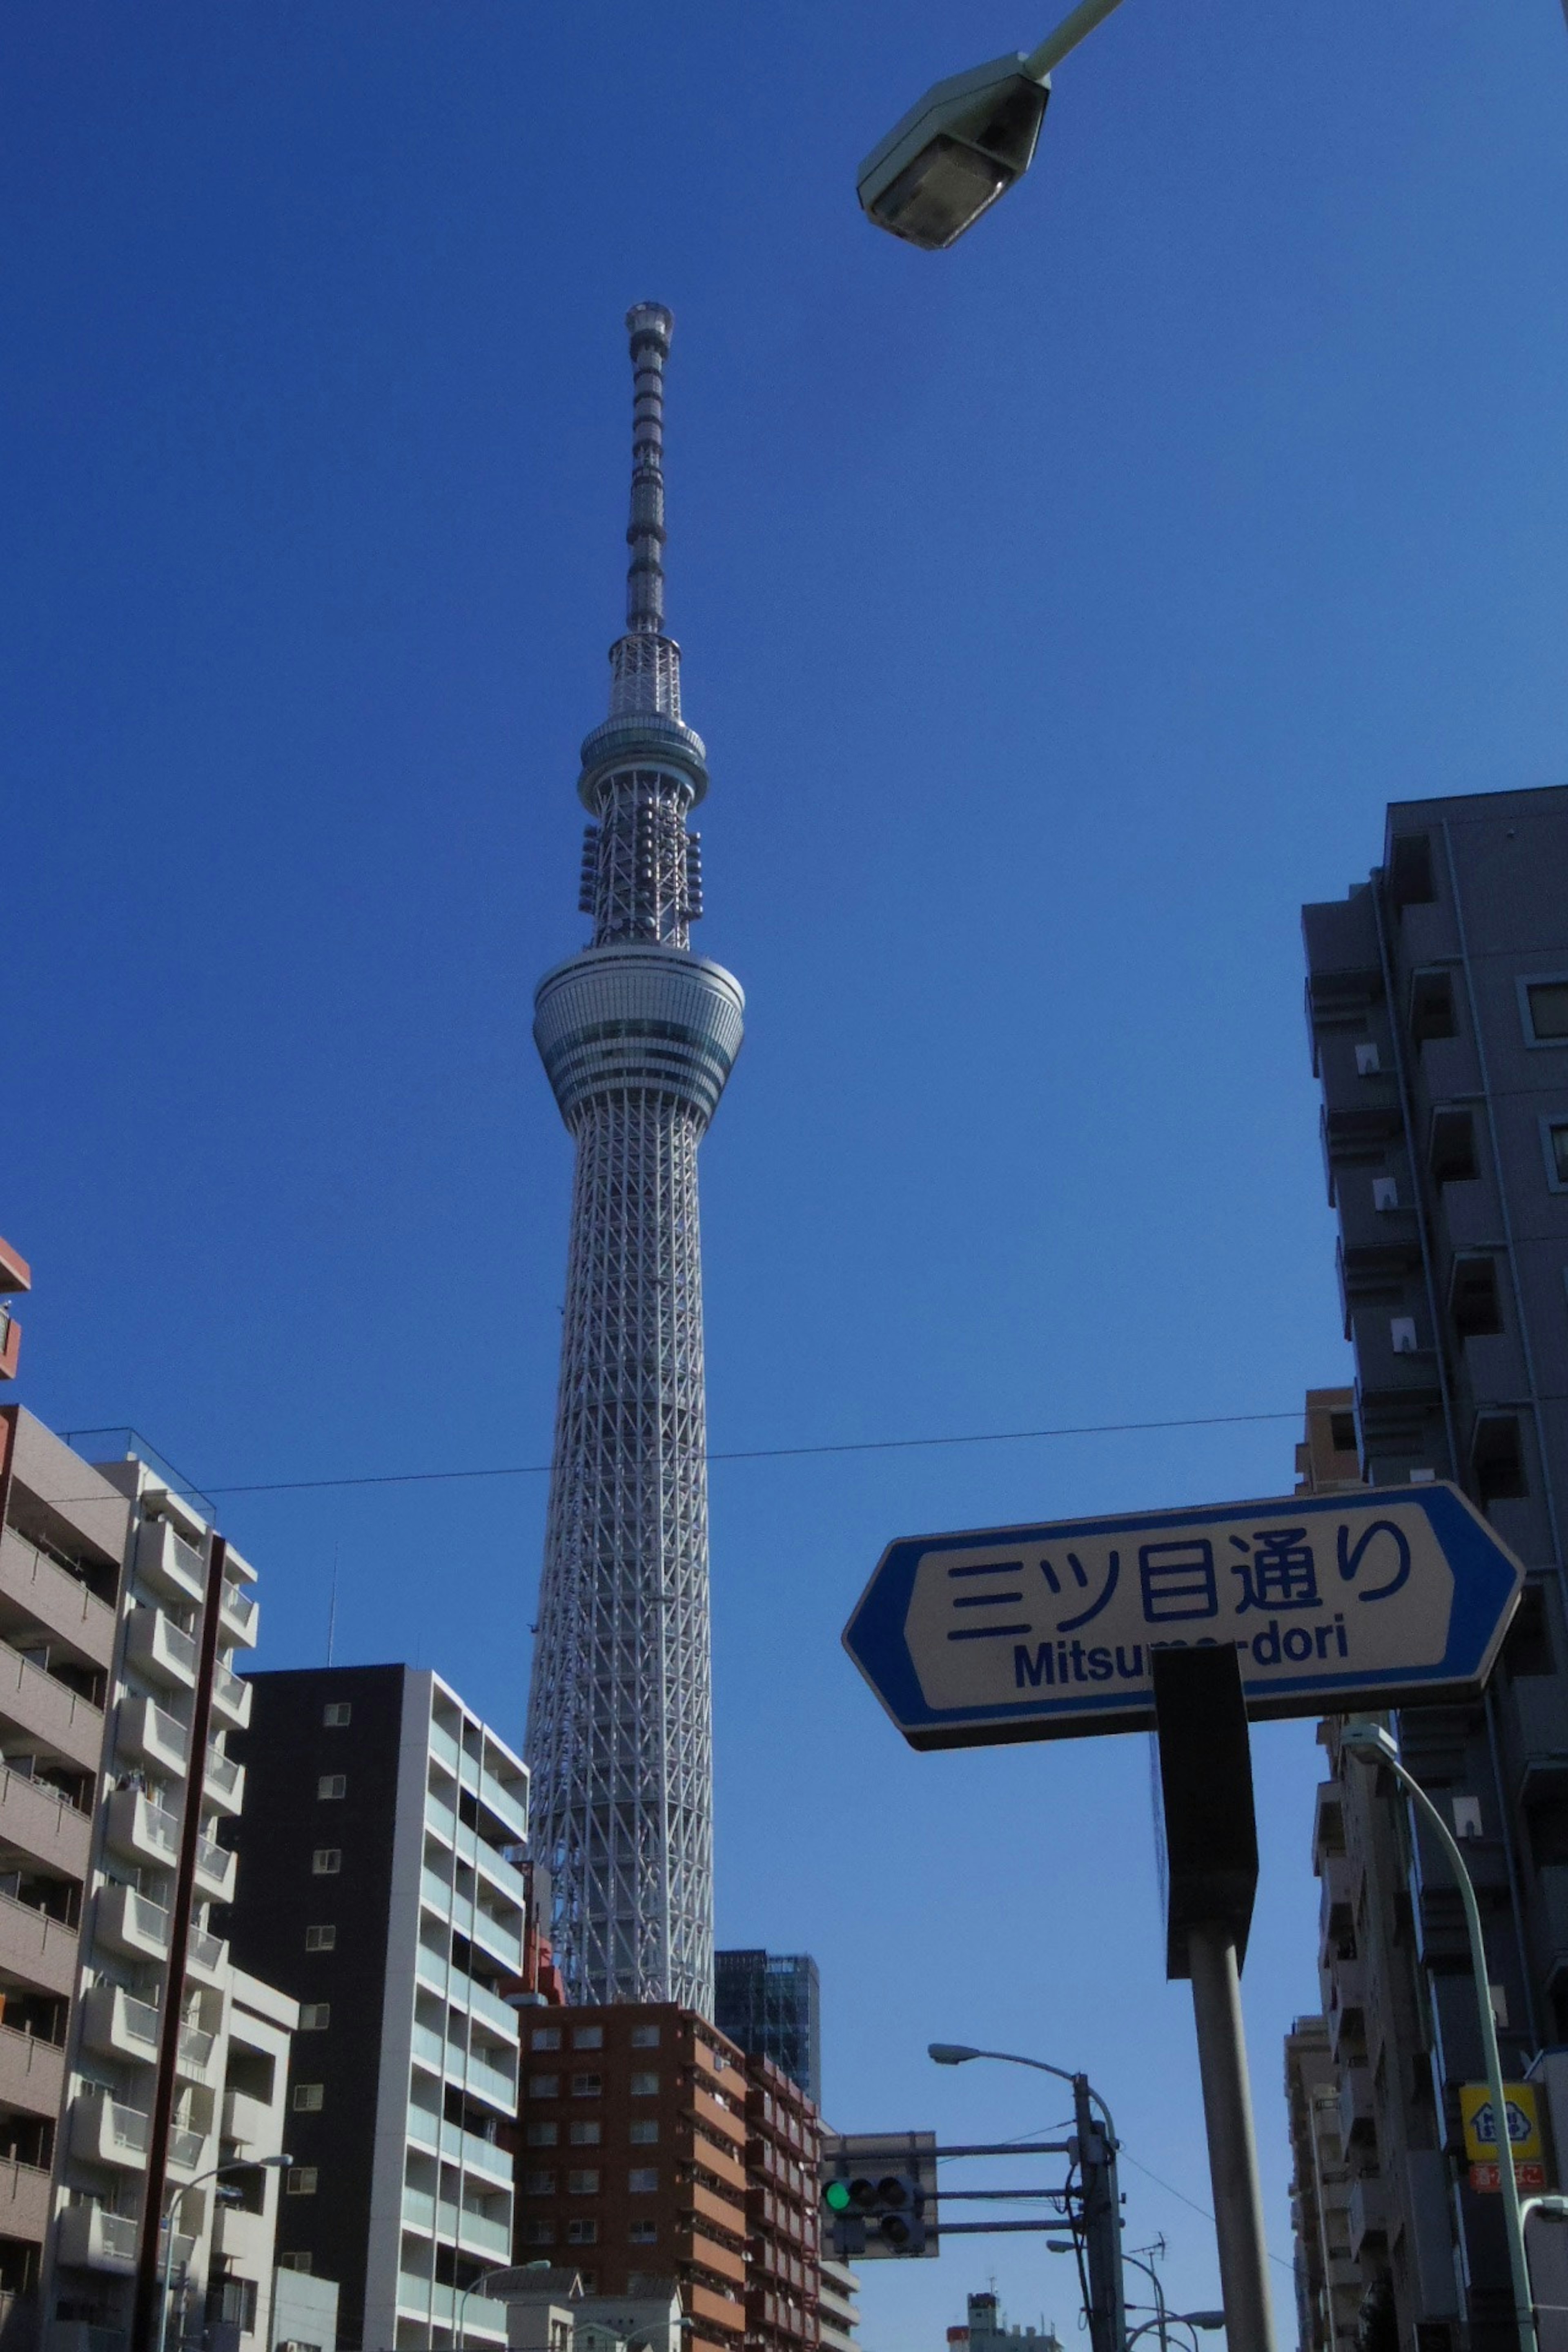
x,y
239,1608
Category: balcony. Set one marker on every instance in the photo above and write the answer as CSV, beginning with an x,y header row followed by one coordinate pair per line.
x,y
141,1830
215,1867
147,1730
721,2311
238,1612
224,1782
1367,2211
457,2225
24,2201
1540,1710
169,1564
63,1726
134,1923
37,1821
90,2238
32,2073
36,1950
231,1698
206,1957
122,2027
488,2083
56,1600
104,2132
427,2299
1357,2118
164,1653
249,2121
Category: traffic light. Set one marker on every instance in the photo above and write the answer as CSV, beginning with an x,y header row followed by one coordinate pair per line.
x,y
871,2213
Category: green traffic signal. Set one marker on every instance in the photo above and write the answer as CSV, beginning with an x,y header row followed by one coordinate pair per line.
x,y
836,2196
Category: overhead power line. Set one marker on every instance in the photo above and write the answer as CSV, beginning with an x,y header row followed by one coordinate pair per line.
x,y
770,1452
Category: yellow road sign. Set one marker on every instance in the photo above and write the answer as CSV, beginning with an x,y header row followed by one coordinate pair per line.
x,y
1480,2127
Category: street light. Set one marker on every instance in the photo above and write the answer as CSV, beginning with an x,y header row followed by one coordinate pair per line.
x,y
1374,1745
514,2272
959,2053
1104,2304
219,2172
1178,2319
966,140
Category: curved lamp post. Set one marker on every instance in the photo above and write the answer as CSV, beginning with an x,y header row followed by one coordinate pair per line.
x,y
1374,1745
514,2272
219,2172
1103,2227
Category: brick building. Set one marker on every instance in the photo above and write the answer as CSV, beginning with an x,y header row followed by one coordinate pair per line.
x,y
783,2282
632,2162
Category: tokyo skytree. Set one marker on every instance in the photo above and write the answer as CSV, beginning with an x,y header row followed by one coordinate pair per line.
x,y
637,1036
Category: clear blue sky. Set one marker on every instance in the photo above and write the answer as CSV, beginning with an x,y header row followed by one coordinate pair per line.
x,y
1061,614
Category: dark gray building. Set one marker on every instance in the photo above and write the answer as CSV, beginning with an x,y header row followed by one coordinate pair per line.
x,y
770,2004
378,1873
1438,1000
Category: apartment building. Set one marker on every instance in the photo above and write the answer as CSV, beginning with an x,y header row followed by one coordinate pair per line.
x,y
1437,998
1329,2285
838,2306
783,2276
379,1886
632,2165
15,1276
63,1536
172,1700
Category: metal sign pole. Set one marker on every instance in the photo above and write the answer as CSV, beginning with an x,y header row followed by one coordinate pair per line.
x,y
1233,2147
1211,1846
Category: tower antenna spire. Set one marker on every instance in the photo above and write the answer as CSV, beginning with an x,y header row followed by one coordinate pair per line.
x,y
645,665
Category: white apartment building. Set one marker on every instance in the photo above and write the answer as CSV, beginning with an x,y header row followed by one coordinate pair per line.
x,y
149,1778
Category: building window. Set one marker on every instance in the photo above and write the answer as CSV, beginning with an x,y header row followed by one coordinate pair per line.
x,y
1402,1334
539,2134
1555,1143
1367,1065
539,2233
582,2233
300,2263
308,2098
1543,1005
1473,1301
1410,869
336,1714
1528,1649
588,2037
645,2037
643,2233
585,2135
642,2182
544,2087
644,2087
1451,1146
539,2184
299,2180
327,1861
545,2037
332,1784
583,2184
321,1939
1432,1006
1384,1194
588,2086
1497,1458
315,2016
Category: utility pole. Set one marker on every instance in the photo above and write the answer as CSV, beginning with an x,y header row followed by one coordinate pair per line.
x,y
1102,2224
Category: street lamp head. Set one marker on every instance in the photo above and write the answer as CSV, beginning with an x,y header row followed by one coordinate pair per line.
x,y
1370,1742
1200,2318
1061,2245
950,2053
955,153
1549,2208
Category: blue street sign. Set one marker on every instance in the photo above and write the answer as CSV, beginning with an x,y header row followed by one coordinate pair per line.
x,y
1335,1601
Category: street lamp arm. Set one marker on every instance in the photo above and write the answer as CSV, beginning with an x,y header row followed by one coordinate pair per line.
x,y
1374,1745
1068,35
945,2052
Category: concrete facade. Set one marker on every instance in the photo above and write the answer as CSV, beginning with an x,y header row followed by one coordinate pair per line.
x,y
1437,998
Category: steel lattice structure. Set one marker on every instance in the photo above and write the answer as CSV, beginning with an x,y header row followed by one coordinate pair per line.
x,y
637,1036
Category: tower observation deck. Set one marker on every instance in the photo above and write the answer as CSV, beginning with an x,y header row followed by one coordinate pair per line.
x,y
638,1035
